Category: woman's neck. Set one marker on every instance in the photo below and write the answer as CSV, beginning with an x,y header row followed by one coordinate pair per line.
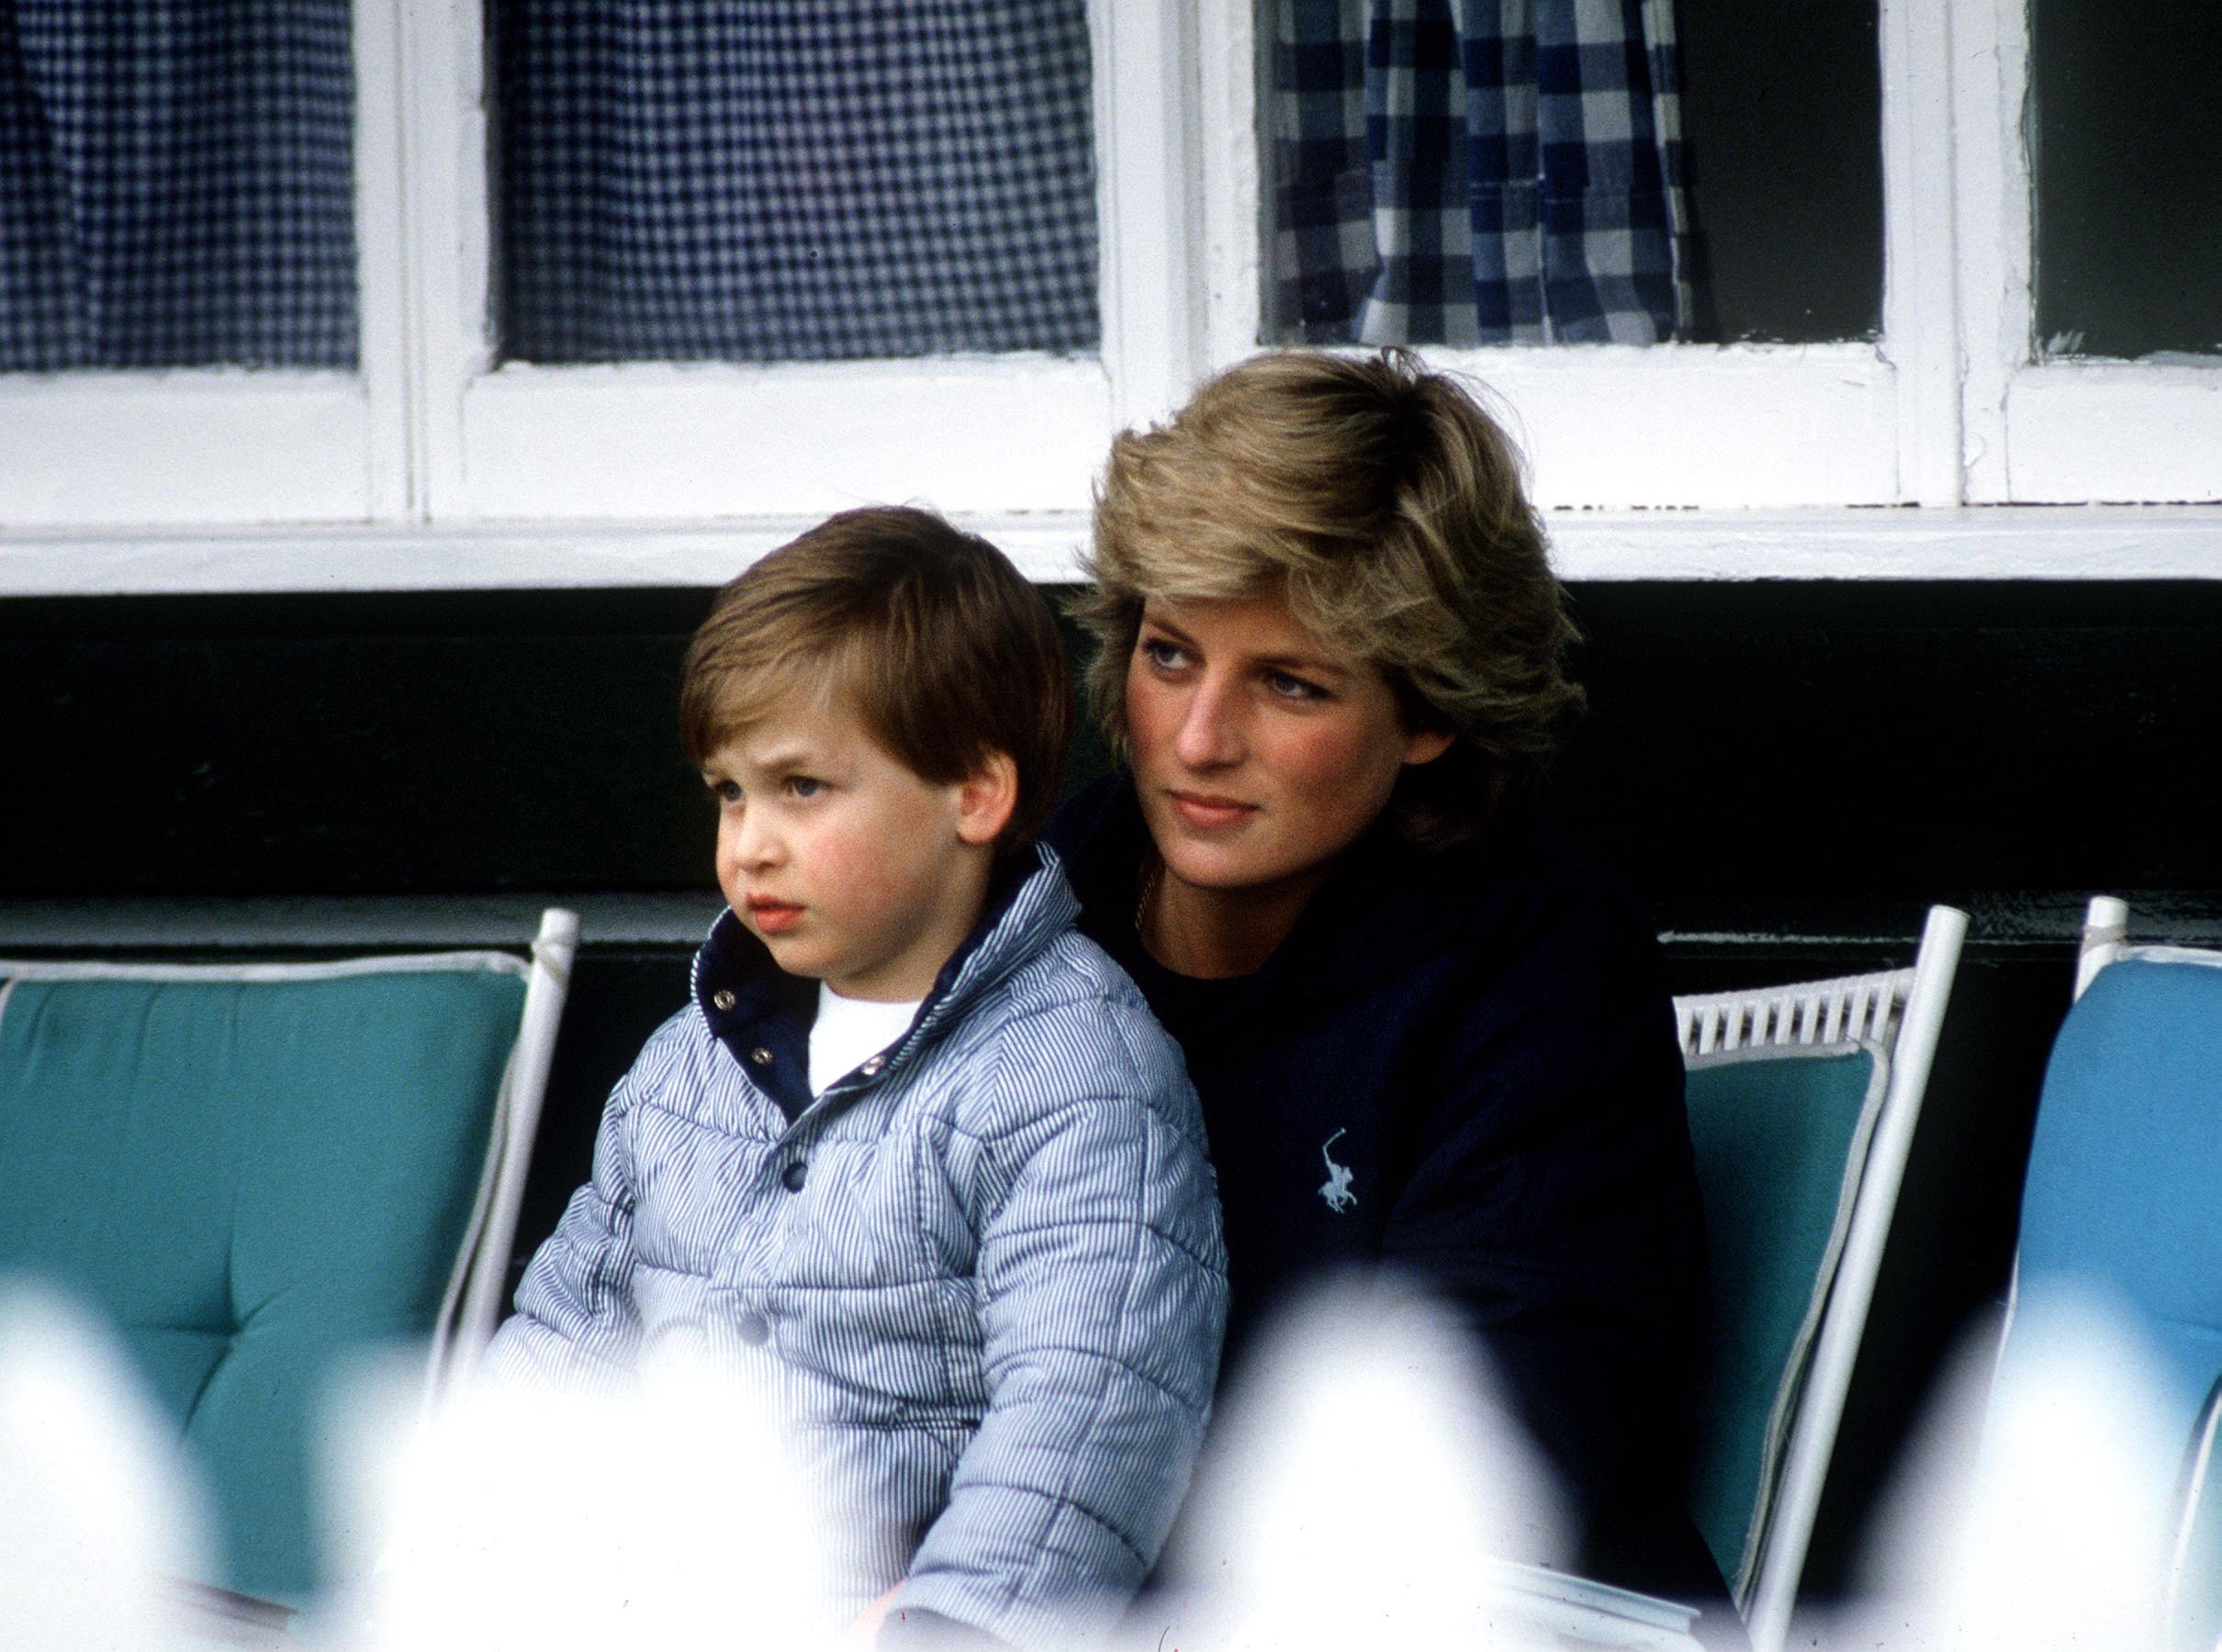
x,y
1215,934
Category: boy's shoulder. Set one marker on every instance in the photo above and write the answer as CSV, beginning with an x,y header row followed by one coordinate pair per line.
x,y
1068,1024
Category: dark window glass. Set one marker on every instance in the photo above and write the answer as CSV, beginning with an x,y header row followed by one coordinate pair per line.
x,y
1782,119
2126,152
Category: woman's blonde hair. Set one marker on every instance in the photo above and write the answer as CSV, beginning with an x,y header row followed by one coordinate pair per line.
x,y
1390,509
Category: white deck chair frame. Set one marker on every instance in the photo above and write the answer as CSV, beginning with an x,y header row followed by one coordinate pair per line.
x,y
2106,940
1899,1011
481,1291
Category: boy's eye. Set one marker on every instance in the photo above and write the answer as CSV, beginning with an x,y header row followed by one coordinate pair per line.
x,y
802,785
725,792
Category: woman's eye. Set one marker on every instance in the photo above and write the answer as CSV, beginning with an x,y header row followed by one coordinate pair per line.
x,y
1294,687
1164,656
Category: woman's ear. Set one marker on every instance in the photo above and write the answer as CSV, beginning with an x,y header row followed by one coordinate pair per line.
x,y
986,797
1426,745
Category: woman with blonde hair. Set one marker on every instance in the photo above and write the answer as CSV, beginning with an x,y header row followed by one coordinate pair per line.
x,y
1429,1036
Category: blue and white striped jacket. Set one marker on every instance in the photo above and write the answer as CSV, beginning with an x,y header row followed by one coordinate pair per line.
x,y
983,1274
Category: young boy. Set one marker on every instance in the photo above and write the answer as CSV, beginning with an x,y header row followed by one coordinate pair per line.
x,y
917,1155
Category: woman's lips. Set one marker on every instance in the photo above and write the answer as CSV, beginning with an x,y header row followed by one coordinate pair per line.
x,y
773,917
1206,811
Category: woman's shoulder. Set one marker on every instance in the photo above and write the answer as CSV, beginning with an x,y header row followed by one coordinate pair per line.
x,y
1519,894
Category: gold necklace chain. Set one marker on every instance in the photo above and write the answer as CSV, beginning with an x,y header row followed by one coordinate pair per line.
x,y
1151,879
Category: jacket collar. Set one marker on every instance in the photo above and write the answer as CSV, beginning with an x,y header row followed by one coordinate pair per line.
x,y
756,1009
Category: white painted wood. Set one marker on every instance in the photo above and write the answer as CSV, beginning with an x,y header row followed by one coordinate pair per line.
x,y
384,316
2115,431
1989,92
102,449
1233,162
1150,190
2068,543
448,241
2071,542
1696,425
1920,301
646,442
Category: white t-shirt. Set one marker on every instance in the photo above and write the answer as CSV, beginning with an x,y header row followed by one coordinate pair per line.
x,y
849,1029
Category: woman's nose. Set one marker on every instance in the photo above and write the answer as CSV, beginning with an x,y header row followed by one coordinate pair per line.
x,y
1208,736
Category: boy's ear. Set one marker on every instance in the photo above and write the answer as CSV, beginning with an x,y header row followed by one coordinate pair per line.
x,y
986,797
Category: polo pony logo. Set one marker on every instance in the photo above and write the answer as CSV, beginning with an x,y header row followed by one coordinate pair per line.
x,y
1335,1190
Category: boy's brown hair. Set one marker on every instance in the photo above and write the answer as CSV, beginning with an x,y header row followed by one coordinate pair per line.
x,y
947,651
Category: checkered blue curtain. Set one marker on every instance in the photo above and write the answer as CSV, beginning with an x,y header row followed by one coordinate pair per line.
x,y
1476,172
176,185
768,180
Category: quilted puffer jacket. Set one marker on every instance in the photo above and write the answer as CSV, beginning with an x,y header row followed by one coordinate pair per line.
x,y
981,1275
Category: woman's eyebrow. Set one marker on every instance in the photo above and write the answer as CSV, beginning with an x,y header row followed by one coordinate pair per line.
x,y
1158,621
1307,664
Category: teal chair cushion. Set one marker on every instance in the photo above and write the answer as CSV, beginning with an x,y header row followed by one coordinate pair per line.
x,y
1780,1134
254,1179
2123,1200
2124,1190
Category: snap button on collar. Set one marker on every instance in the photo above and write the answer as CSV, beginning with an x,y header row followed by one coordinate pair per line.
x,y
723,998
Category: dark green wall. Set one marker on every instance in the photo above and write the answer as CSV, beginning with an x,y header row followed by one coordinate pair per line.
x,y
1790,771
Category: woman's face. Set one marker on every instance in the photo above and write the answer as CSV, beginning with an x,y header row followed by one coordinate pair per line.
x,y
1259,751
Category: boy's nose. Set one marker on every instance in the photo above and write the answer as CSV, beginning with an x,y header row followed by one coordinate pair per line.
x,y
755,843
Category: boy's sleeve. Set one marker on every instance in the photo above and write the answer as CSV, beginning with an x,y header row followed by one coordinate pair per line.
x,y
1103,1297
576,1322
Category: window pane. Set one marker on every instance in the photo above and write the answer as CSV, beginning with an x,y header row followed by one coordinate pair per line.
x,y
1782,114
176,185
2127,140
1570,171
779,180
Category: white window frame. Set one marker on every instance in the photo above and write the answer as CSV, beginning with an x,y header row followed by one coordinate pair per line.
x,y
433,467
224,447
1899,422
645,442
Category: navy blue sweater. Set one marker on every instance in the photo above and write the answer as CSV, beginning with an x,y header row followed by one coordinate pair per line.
x,y
1462,1065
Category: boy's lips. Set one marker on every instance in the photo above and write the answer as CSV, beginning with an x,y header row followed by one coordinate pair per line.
x,y
773,916
1209,809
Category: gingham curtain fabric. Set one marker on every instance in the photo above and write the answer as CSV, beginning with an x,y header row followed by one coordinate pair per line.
x,y
176,185
774,180
1476,172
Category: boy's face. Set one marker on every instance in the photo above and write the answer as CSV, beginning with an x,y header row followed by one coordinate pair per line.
x,y
845,863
